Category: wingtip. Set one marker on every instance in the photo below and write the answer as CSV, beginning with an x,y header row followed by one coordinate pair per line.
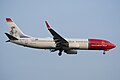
x,y
9,20
48,26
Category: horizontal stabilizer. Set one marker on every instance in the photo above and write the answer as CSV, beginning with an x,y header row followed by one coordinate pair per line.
x,y
11,37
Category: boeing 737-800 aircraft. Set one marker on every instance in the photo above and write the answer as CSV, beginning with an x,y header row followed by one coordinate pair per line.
x,y
57,43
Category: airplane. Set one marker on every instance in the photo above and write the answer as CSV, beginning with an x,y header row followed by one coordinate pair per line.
x,y
57,43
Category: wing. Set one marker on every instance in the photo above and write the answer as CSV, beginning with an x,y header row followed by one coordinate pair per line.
x,y
59,40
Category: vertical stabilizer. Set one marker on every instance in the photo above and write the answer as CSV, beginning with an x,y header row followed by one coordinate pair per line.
x,y
14,29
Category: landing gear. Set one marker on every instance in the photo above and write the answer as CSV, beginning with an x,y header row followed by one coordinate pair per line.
x,y
104,52
60,52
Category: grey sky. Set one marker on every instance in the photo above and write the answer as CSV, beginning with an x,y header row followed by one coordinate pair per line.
x,y
70,18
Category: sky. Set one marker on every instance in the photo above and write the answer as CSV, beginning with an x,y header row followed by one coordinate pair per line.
x,y
70,18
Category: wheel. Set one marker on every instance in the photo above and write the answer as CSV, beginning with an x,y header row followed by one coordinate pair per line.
x,y
104,52
60,52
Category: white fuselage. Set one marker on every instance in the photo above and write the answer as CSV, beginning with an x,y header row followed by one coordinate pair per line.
x,y
48,43
57,42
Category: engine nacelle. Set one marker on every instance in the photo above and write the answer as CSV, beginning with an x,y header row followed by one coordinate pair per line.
x,y
70,51
73,45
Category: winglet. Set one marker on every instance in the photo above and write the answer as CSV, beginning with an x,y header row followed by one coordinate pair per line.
x,y
9,20
48,26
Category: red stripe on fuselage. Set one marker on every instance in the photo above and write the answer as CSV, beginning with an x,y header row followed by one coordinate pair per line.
x,y
97,44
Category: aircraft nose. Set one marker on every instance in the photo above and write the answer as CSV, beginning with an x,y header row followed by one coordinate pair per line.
x,y
112,45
